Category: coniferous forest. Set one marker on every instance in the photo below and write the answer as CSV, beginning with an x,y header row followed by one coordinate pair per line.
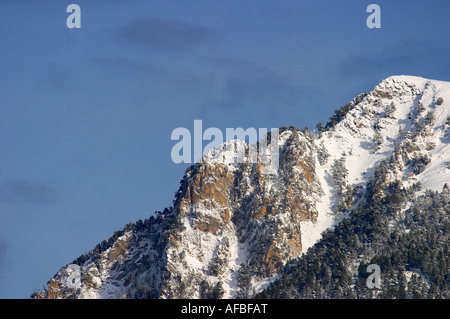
x,y
411,247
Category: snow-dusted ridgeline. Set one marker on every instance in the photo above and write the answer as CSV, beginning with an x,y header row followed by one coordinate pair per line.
x,y
229,215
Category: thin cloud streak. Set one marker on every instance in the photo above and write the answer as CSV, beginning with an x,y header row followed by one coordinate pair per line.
x,y
24,191
164,35
408,57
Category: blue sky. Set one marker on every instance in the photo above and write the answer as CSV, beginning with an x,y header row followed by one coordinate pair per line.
x,y
86,114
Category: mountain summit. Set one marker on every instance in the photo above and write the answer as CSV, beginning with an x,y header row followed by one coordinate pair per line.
x,y
368,188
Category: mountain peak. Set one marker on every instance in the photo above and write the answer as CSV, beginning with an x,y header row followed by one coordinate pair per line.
x,y
409,80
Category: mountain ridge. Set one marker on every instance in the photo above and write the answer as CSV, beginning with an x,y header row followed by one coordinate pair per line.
x,y
233,230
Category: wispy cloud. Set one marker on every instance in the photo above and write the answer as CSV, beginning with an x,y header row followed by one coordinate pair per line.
x,y
406,57
164,35
245,85
24,191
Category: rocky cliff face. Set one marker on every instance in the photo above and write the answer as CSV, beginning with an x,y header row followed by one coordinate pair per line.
x,y
233,226
234,215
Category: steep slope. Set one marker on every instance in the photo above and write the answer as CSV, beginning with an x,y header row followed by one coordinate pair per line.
x,y
393,114
234,228
397,224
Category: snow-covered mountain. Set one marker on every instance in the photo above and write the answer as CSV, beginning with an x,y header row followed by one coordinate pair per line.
x,y
234,229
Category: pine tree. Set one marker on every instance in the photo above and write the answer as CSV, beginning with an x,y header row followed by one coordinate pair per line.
x,y
400,132
401,286
420,108
204,289
429,118
244,281
340,173
378,139
390,109
320,128
446,194
322,154
218,291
